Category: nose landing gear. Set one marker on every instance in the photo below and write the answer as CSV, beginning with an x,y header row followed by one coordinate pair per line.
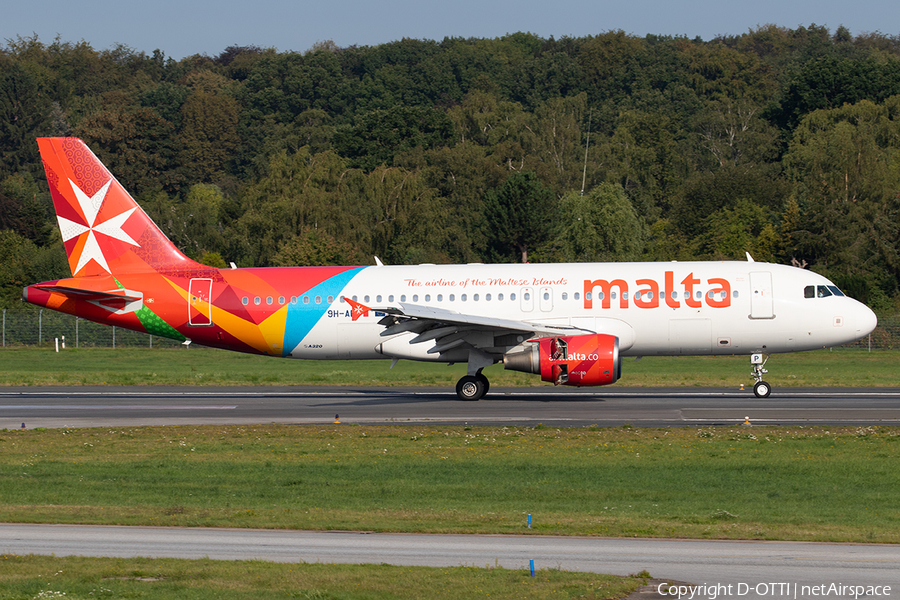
x,y
761,389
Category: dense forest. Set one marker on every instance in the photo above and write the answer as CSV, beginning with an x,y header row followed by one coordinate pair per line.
x,y
784,143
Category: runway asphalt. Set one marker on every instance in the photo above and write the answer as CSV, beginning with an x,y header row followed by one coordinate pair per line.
x,y
751,569
643,407
765,569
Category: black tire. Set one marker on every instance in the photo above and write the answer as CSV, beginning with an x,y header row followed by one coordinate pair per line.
x,y
487,384
762,389
470,388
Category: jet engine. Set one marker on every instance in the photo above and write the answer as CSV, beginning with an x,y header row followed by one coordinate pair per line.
x,y
580,360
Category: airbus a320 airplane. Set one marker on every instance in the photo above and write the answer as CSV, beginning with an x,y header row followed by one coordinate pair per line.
x,y
570,323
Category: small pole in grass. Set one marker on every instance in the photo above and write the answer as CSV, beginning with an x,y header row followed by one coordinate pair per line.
x,y
532,567
529,520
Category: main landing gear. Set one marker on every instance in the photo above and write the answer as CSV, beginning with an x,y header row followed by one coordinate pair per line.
x,y
475,385
761,389
472,387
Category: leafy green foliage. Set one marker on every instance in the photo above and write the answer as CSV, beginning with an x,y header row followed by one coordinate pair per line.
x,y
517,215
599,226
467,150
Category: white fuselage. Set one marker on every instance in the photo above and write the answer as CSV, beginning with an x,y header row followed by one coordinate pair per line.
x,y
676,308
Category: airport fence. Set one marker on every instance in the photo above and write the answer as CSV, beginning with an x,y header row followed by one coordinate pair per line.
x,y
44,327
48,327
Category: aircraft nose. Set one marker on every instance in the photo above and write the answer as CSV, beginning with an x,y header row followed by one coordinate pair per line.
x,y
865,320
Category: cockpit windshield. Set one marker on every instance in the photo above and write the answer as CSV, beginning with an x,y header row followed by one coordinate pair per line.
x,y
821,291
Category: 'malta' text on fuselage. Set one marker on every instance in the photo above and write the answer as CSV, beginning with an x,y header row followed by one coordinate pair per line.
x,y
648,295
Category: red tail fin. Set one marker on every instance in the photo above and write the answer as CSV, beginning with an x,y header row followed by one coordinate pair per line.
x,y
103,228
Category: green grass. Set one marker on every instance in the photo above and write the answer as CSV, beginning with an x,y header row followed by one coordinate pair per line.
x,y
161,579
181,366
794,483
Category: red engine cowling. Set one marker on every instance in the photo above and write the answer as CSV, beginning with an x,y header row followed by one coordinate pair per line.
x,y
573,360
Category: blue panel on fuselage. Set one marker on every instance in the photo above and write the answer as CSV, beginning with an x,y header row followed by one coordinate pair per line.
x,y
301,318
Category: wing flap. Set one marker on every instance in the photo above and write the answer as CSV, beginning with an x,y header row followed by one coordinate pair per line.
x,y
443,317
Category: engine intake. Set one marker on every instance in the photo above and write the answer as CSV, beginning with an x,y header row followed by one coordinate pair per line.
x,y
580,360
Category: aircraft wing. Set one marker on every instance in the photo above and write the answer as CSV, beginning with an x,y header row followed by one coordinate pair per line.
x,y
450,329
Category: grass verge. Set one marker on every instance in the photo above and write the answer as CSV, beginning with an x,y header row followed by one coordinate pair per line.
x,y
204,366
793,483
162,579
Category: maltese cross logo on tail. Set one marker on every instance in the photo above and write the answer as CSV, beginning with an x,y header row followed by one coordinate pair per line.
x,y
359,310
111,227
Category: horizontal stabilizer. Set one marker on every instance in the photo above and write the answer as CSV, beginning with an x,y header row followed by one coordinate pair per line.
x,y
86,294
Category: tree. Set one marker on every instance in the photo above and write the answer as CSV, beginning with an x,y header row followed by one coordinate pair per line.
x,y
642,156
314,247
729,233
378,136
599,226
134,142
518,215
24,113
208,133
558,141
845,166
